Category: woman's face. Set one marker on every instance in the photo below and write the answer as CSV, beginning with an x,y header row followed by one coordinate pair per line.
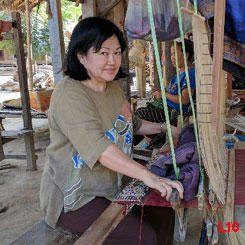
x,y
102,66
179,56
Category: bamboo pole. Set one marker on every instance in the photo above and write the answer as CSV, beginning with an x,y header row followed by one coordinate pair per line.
x,y
29,49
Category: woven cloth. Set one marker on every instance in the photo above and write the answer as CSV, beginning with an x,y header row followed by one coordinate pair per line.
x,y
134,193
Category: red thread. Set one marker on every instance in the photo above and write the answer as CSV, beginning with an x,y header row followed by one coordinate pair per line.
x,y
141,223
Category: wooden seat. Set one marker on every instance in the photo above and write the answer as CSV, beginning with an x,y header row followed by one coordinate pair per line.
x,y
42,234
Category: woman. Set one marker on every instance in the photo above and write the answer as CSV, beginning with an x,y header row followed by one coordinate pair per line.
x,y
91,130
157,114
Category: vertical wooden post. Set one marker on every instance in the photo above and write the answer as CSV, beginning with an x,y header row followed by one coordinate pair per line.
x,y
219,23
29,45
119,12
150,63
229,85
169,70
89,8
25,101
56,40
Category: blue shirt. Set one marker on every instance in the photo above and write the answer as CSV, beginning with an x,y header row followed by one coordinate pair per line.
x,y
173,88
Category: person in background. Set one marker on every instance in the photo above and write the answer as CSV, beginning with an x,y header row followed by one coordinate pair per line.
x,y
91,130
154,111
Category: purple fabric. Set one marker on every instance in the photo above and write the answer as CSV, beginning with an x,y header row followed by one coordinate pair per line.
x,y
186,159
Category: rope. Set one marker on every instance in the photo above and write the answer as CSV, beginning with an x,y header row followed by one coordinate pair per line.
x,y
153,33
189,87
195,6
179,92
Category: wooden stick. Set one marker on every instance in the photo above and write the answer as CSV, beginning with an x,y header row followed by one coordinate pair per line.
x,y
103,226
7,166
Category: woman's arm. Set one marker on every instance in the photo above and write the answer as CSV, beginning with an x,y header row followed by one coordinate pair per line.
x,y
184,96
114,159
148,128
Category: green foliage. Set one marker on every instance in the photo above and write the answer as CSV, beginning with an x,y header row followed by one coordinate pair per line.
x,y
40,33
7,45
39,28
70,15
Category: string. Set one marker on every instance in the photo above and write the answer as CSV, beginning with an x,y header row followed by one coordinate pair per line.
x,y
165,106
189,87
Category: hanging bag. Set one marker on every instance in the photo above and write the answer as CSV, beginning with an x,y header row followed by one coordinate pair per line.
x,y
165,16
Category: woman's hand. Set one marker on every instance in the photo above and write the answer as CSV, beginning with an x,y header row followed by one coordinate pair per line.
x,y
163,185
157,94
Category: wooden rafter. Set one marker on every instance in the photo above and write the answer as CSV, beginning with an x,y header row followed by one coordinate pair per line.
x,y
18,5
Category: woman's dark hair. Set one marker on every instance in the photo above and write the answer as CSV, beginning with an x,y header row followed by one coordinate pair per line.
x,y
89,33
188,48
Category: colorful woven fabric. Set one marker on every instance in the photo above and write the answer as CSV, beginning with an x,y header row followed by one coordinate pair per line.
x,y
134,193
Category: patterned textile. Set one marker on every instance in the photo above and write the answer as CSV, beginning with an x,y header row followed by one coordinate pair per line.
x,y
234,33
156,115
186,159
134,193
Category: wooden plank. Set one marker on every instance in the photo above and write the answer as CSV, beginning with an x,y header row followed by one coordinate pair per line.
x,y
56,40
17,156
230,192
42,234
25,101
219,23
29,45
102,227
15,133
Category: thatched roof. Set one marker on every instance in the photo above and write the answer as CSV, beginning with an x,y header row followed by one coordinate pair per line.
x,y
18,5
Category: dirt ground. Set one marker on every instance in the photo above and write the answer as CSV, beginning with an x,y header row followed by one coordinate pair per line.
x,y
19,188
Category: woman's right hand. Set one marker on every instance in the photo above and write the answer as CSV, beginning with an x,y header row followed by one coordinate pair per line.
x,y
163,185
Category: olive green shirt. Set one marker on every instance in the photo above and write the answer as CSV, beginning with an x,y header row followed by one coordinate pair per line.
x,y
83,123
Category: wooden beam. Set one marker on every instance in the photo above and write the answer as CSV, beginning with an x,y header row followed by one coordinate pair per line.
x,y
56,40
103,226
105,11
29,45
89,8
25,101
15,133
219,23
